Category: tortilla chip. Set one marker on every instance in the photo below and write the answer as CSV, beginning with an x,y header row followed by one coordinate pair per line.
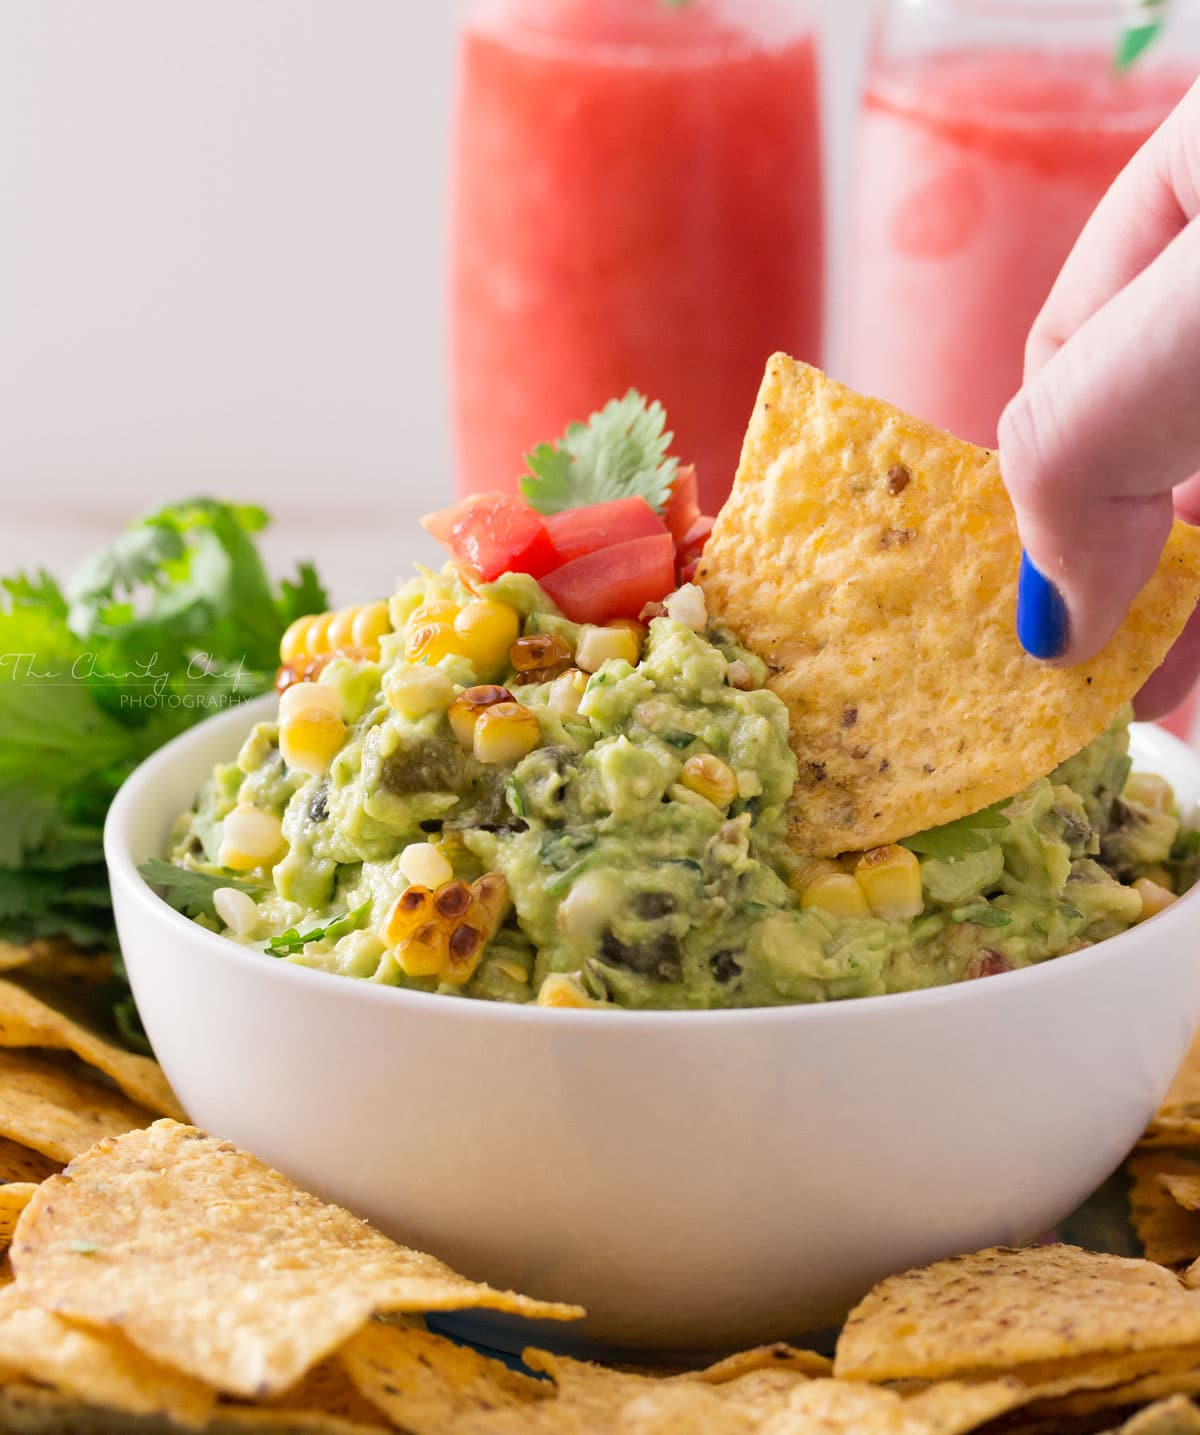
x,y
211,1262
872,562
27,1021
767,1357
1177,1416
49,1104
1043,1315
1184,1189
838,1407
99,1367
427,1384
32,1410
12,957
19,1163
1153,1386
1173,1126
14,1197
1169,1234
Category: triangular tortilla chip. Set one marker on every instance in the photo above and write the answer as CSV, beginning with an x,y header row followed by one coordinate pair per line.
x,y
872,562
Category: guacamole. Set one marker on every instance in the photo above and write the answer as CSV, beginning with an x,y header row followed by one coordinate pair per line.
x,y
478,797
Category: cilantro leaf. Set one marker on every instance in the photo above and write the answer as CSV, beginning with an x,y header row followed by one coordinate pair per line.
x,y
189,892
986,917
954,840
287,943
621,452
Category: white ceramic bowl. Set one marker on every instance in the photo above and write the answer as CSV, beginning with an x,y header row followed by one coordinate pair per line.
x,y
698,1180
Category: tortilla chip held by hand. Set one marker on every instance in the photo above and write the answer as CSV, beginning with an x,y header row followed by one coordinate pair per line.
x,y
872,562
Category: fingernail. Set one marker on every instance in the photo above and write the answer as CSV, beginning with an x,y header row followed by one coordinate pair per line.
x,y
1041,613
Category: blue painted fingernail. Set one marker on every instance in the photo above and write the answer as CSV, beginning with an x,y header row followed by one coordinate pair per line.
x,y
1041,613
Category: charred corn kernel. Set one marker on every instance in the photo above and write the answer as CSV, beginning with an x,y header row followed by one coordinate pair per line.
x,y
371,622
452,902
316,637
424,952
464,950
630,625
686,605
1149,790
711,778
596,646
249,837
412,909
505,733
560,990
431,642
566,693
837,893
311,740
491,902
424,866
302,699
436,610
514,971
487,630
1155,899
414,692
237,909
292,645
808,869
539,653
890,878
341,628
465,709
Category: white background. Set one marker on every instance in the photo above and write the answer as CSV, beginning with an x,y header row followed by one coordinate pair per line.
x,y
221,265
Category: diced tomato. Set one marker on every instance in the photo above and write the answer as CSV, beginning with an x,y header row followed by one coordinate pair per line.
x,y
579,531
687,572
683,506
691,545
987,963
495,533
614,582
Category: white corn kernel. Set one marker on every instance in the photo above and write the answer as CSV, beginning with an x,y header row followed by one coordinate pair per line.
x,y
749,784
597,646
838,894
563,990
739,675
414,692
589,906
505,733
310,741
424,866
890,878
687,606
249,837
303,699
237,909
566,693
1155,898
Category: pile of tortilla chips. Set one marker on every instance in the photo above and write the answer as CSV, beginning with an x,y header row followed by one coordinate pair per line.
x,y
167,1281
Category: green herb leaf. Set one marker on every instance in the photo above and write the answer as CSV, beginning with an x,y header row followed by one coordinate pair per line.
x,y
621,452
287,943
676,737
190,892
954,840
1186,844
1133,43
558,886
516,798
987,917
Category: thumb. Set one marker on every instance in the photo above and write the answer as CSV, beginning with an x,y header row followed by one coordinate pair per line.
x,y
1091,448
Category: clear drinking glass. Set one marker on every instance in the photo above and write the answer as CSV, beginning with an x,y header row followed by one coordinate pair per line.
x,y
989,130
637,201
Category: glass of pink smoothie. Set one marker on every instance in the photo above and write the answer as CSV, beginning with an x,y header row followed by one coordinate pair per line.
x,y
989,130
637,201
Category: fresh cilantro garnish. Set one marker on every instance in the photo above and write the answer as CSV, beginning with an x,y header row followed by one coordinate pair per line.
x,y
516,798
621,452
955,840
189,892
1186,844
986,917
676,737
172,621
557,886
1137,37
287,943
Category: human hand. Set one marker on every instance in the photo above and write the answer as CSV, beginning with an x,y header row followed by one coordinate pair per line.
x,y
1102,444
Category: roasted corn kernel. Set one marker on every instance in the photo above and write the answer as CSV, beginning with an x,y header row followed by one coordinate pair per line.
x,y
491,900
371,622
452,901
711,778
562,990
505,733
434,610
414,692
1149,790
542,653
837,893
311,730
431,642
292,646
353,631
890,878
341,628
412,909
1155,899
443,933
424,952
566,693
597,646
250,837
423,865
464,951
316,637
486,631
304,698
464,711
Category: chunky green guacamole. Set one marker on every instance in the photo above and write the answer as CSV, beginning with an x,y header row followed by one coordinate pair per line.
x,y
624,875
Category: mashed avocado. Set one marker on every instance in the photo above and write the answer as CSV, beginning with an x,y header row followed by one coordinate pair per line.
x,y
639,826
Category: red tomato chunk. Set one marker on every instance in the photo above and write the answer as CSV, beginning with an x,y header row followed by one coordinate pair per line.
x,y
579,531
614,582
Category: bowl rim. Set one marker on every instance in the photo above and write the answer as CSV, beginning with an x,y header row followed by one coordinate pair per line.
x,y
139,787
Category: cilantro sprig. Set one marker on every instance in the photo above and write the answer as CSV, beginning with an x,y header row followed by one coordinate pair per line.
x,y
190,892
621,452
288,943
1142,31
955,840
172,621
